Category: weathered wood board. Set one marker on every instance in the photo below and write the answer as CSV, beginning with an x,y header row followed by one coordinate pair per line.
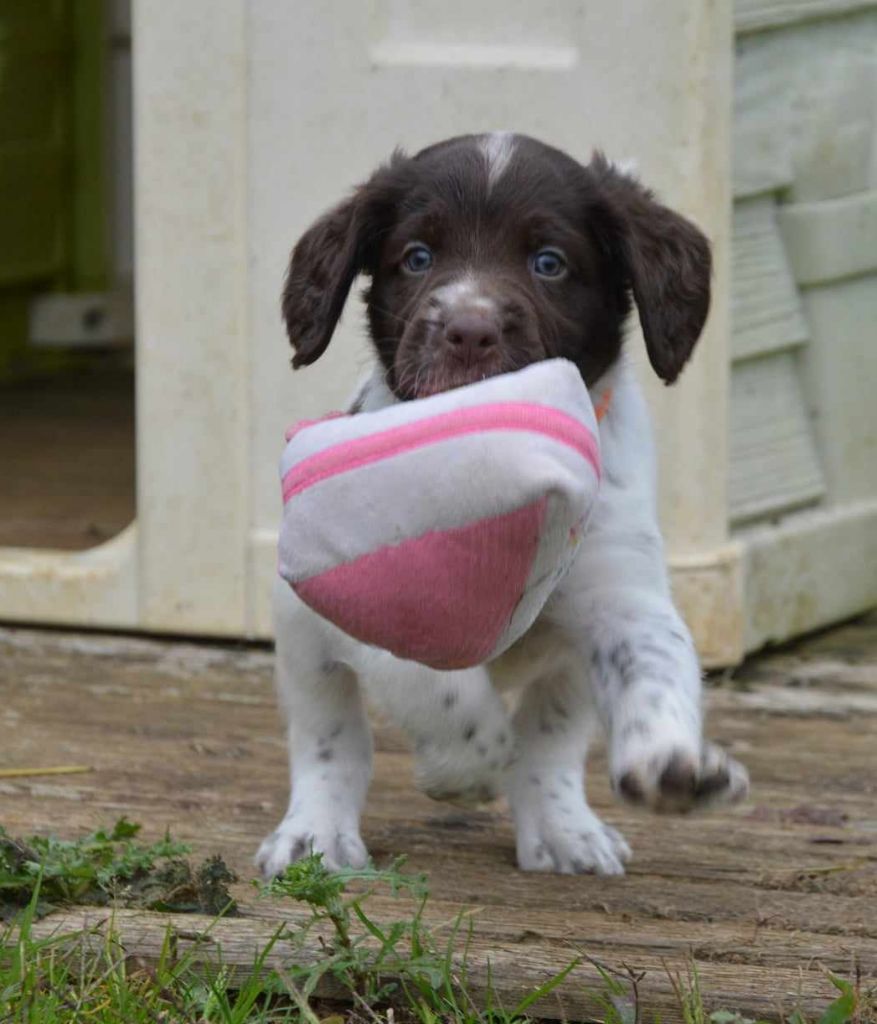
x,y
185,736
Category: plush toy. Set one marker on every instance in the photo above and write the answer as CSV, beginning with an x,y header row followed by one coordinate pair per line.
x,y
437,529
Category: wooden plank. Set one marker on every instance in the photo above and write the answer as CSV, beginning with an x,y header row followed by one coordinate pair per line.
x,y
516,964
185,736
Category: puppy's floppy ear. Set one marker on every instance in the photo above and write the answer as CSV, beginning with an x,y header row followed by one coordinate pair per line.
x,y
327,259
322,268
665,259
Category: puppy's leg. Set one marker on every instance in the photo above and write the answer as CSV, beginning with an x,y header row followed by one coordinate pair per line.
x,y
556,830
329,744
647,681
616,607
458,724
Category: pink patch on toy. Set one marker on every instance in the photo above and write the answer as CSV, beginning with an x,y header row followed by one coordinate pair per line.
x,y
360,451
443,599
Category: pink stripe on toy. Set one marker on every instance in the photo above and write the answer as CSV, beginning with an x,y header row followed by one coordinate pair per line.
x,y
443,599
500,416
290,432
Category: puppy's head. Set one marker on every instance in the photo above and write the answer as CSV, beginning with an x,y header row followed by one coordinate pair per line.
x,y
490,252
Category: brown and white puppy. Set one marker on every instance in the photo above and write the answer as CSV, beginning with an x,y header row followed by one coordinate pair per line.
x,y
485,254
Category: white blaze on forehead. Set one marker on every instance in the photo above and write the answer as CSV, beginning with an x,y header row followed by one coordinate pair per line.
x,y
497,148
628,167
464,293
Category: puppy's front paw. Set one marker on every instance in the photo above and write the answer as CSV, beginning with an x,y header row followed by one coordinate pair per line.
x,y
578,845
296,837
675,779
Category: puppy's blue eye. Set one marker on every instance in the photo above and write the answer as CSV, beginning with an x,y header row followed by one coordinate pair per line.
x,y
548,263
417,259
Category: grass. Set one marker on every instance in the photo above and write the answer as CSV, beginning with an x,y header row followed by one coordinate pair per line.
x,y
110,866
396,972
88,977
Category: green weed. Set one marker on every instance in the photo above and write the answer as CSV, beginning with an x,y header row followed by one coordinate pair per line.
x,y
109,865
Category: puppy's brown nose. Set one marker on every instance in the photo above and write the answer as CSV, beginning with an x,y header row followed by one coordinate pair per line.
x,y
471,335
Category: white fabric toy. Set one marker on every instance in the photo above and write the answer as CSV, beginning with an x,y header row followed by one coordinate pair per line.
x,y
437,529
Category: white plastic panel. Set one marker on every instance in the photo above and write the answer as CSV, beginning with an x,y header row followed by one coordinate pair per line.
x,y
765,306
774,467
334,87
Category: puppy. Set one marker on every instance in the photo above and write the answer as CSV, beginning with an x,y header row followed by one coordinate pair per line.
x,y
486,253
